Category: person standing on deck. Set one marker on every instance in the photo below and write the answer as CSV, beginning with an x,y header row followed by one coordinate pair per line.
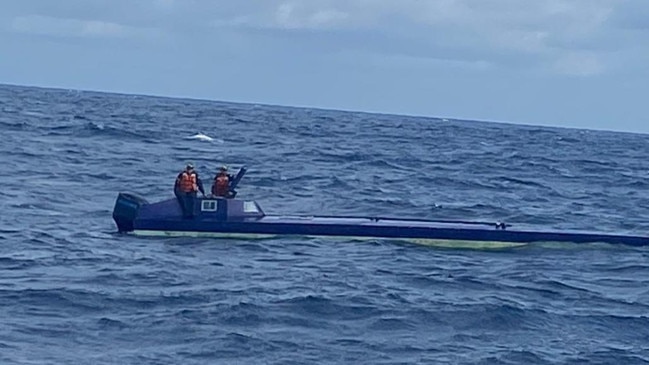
x,y
221,185
187,185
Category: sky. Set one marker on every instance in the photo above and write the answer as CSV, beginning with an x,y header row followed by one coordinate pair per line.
x,y
569,63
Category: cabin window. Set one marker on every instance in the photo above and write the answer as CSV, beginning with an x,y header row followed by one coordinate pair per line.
x,y
250,207
208,206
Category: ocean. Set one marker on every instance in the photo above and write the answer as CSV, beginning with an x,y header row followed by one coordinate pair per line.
x,y
74,291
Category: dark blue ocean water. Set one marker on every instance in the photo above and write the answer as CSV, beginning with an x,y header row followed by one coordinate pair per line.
x,y
72,291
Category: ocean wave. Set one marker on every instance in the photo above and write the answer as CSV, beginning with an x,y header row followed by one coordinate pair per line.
x,y
322,307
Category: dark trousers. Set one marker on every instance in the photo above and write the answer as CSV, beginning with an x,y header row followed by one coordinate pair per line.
x,y
186,201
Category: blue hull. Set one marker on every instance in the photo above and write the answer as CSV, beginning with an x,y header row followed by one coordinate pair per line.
x,y
214,216
382,228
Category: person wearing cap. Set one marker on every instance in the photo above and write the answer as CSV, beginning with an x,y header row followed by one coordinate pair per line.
x,y
221,185
187,185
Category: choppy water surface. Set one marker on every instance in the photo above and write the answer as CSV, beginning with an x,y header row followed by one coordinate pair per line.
x,y
72,291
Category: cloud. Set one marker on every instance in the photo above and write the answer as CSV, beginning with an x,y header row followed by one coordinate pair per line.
x,y
579,64
542,34
61,27
293,16
165,4
539,35
631,14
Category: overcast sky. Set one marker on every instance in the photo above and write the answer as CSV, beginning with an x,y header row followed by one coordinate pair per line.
x,y
573,63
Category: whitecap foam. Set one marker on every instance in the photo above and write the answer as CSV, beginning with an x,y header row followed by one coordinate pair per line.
x,y
201,137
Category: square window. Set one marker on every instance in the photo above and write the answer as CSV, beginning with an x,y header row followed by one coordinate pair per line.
x,y
209,206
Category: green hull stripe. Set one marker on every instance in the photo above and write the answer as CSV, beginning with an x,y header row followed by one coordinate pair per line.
x,y
138,232
419,241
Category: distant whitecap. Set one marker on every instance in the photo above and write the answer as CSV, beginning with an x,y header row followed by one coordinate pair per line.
x,y
201,137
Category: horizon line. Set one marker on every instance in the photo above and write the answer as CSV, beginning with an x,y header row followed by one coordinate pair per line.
x,y
372,112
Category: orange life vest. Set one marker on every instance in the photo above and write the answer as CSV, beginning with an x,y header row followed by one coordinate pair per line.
x,y
221,185
188,183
